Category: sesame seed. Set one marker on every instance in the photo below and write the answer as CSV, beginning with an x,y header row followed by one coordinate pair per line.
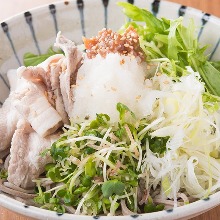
x,y
81,77
108,41
138,97
122,61
158,74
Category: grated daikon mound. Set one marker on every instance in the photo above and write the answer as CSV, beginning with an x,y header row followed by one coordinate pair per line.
x,y
103,82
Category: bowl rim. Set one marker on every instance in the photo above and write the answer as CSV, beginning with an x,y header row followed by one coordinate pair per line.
x,y
179,212
59,2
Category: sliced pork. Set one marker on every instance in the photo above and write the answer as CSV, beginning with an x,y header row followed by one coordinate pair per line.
x,y
54,66
55,84
8,114
26,163
41,99
40,77
34,107
8,122
68,76
46,75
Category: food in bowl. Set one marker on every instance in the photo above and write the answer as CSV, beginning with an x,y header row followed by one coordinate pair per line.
x,y
131,125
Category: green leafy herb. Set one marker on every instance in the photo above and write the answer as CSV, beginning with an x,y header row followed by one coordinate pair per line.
x,y
177,44
42,197
150,207
211,102
137,14
101,120
54,207
49,166
211,77
89,150
120,131
86,180
61,193
31,59
59,151
54,174
112,187
123,109
216,64
90,168
158,144
69,199
80,190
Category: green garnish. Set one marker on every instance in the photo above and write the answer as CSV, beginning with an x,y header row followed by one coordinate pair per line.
x,y
85,174
150,207
123,110
31,59
177,44
158,144
101,120
112,187
90,168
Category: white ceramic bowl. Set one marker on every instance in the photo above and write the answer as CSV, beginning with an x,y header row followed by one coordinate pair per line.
x,y
35,31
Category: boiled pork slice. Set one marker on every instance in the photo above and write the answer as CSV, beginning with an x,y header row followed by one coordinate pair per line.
x,y
8,121
55,84
69,74
47,76
54,66
26,163
9,116
34,107
40,77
